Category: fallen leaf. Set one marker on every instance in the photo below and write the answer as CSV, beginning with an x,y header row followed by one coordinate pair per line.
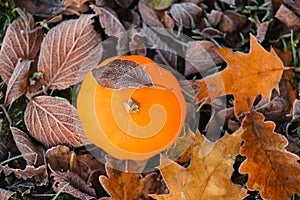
x,y
112,27
18,82
72,184
69,51
208,175
200,57
137,45
76,5
40,7
22,41
186,14
158,5
149,16
7,195
39,174
127,186
214,17
287,17
120,73
167,55
54,121
262,31
241,76
233,21
27,146
271,169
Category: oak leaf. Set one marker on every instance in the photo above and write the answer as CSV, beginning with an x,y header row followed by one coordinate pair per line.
x,y
22,41
243,76
208,175
271,169
69,51
127,186
54,121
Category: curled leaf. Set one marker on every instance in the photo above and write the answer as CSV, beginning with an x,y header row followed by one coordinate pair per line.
x,y
54,121
27,146
22,41
69,51
18,82
121,73
7,195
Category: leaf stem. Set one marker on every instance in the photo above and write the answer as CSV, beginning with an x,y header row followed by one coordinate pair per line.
x,y
16,157
6,114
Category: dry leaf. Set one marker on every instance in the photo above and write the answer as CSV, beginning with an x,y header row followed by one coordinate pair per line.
x,y
39,7
287,17
127,186
76,5
200,56
149,16
39,174
271,169
186,14
158,5
112,27
208,175
233,21
54,121
7,195
242,76
18,82
137,45
27,146
167,55
69,51
22,41
214,17
120,73
73,185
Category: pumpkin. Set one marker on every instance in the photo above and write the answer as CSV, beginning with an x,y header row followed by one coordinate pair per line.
x,y
134,121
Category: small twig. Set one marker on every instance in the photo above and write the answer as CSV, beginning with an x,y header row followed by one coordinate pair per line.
x,y
6,114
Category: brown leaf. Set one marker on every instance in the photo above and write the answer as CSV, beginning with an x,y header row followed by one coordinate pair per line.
x,y
241,76
22,41
137,45
76,5
200,56
39,174
121,73
208,175
214,17
18,82
54,121
167,54
262,31
187,14
149,16
127,186
271,169
287,17
69,51
233,21
27,146
7,195
112,27
73,185
39,7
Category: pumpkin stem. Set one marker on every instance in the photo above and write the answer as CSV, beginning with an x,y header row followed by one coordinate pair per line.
x,y
131,106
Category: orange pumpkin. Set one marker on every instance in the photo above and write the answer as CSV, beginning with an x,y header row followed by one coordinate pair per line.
x,y
133,123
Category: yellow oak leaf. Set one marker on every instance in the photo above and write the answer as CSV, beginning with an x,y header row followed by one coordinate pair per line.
x,y
271,169
246,76
208,175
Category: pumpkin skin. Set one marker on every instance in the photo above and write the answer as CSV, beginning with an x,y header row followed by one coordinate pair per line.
x,y
133,135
